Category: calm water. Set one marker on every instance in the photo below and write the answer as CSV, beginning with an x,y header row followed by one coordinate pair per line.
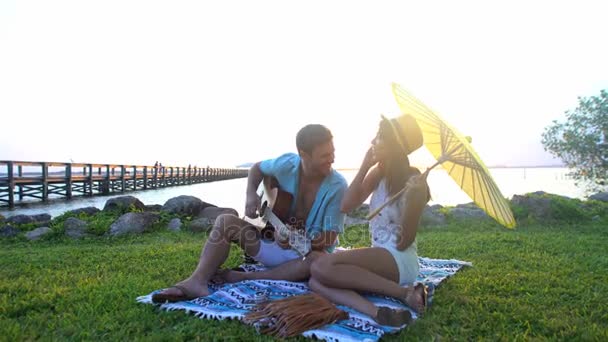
x,y
231,193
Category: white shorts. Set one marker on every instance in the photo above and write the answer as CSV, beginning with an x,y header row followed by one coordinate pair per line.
x,y
271,254
407,262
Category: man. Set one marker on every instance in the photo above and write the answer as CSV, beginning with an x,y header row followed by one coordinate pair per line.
x,y
317,190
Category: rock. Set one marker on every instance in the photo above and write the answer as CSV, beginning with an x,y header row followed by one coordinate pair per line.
x,y
351,221
38,233
26,219
202,224
213,212
153,207
42,218
90,211
360,212
467,213
185,205
539,207
20,219
431,216
123,204
470,205
2,218
546,194
175,225
435,207
9,231
133,223
75,228
600,196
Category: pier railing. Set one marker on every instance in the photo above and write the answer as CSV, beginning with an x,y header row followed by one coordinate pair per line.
x,y
44,180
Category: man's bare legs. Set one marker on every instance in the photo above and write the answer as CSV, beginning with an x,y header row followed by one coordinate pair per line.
x,y
215,251
293,270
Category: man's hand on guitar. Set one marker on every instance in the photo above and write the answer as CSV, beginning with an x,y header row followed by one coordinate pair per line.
x,y
252,205
283,243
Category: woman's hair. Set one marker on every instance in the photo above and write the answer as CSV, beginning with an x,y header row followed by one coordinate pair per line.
x,y
396,167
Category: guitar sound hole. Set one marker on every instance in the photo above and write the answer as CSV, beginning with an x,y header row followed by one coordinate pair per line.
x,y
267,233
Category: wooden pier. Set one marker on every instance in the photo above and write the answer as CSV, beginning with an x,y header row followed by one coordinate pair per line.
x,y
65,180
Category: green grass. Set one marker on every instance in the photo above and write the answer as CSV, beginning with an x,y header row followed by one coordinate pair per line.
x,y
540,281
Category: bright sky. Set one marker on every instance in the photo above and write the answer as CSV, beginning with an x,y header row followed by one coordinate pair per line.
x,y
226,82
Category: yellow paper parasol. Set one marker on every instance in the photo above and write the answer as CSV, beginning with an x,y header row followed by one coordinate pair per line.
x,y
454,152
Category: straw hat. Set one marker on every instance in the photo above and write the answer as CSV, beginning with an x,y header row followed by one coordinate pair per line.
x,y
407,132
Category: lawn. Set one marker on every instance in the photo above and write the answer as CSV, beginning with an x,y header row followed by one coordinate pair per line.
x,y
540,281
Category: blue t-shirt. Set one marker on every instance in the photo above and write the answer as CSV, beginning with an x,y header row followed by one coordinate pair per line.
x,y
325,213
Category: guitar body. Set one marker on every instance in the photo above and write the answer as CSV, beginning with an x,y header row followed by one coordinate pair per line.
x,y
274,211
278,200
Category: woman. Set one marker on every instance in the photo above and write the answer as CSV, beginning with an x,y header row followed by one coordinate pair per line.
x,y
392,260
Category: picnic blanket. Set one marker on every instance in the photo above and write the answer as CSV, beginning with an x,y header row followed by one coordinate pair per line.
x,y
235,300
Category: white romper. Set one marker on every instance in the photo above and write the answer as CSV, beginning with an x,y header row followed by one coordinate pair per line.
x,y
385,228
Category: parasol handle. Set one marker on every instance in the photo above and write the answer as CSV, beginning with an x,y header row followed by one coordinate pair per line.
x,y
395,196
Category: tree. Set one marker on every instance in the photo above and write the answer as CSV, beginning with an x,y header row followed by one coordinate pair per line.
x,y
582,141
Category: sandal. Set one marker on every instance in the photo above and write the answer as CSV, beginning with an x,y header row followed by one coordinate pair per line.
x,y
425,294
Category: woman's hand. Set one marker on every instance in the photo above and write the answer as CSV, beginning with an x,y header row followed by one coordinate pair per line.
x,y
417,190
403,243
370,159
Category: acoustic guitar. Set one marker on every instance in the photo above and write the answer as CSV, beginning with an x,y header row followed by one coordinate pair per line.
x,y
274,211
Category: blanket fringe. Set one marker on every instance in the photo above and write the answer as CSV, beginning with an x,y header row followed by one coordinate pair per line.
x,y
292,316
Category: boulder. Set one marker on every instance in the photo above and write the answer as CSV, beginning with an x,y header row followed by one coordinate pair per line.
x,y
185,205
202,224
42,218
470,205
38,233
536,205
600,196
432,216
360,212
213,212
123,204
133,223
75,228
9,231
89,211
351,221
175,225
20,219
153,207
467,213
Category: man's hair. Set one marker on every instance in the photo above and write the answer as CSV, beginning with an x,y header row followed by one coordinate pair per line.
x,y
311,136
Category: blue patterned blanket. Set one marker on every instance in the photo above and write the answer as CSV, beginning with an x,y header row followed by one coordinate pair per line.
x,y
235,300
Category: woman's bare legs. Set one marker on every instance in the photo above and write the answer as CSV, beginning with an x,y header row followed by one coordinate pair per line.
x,y
364,269
350,298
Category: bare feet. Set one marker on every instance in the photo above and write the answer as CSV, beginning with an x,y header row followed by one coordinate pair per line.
x,y
392,317
416,298
229,276
185,290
